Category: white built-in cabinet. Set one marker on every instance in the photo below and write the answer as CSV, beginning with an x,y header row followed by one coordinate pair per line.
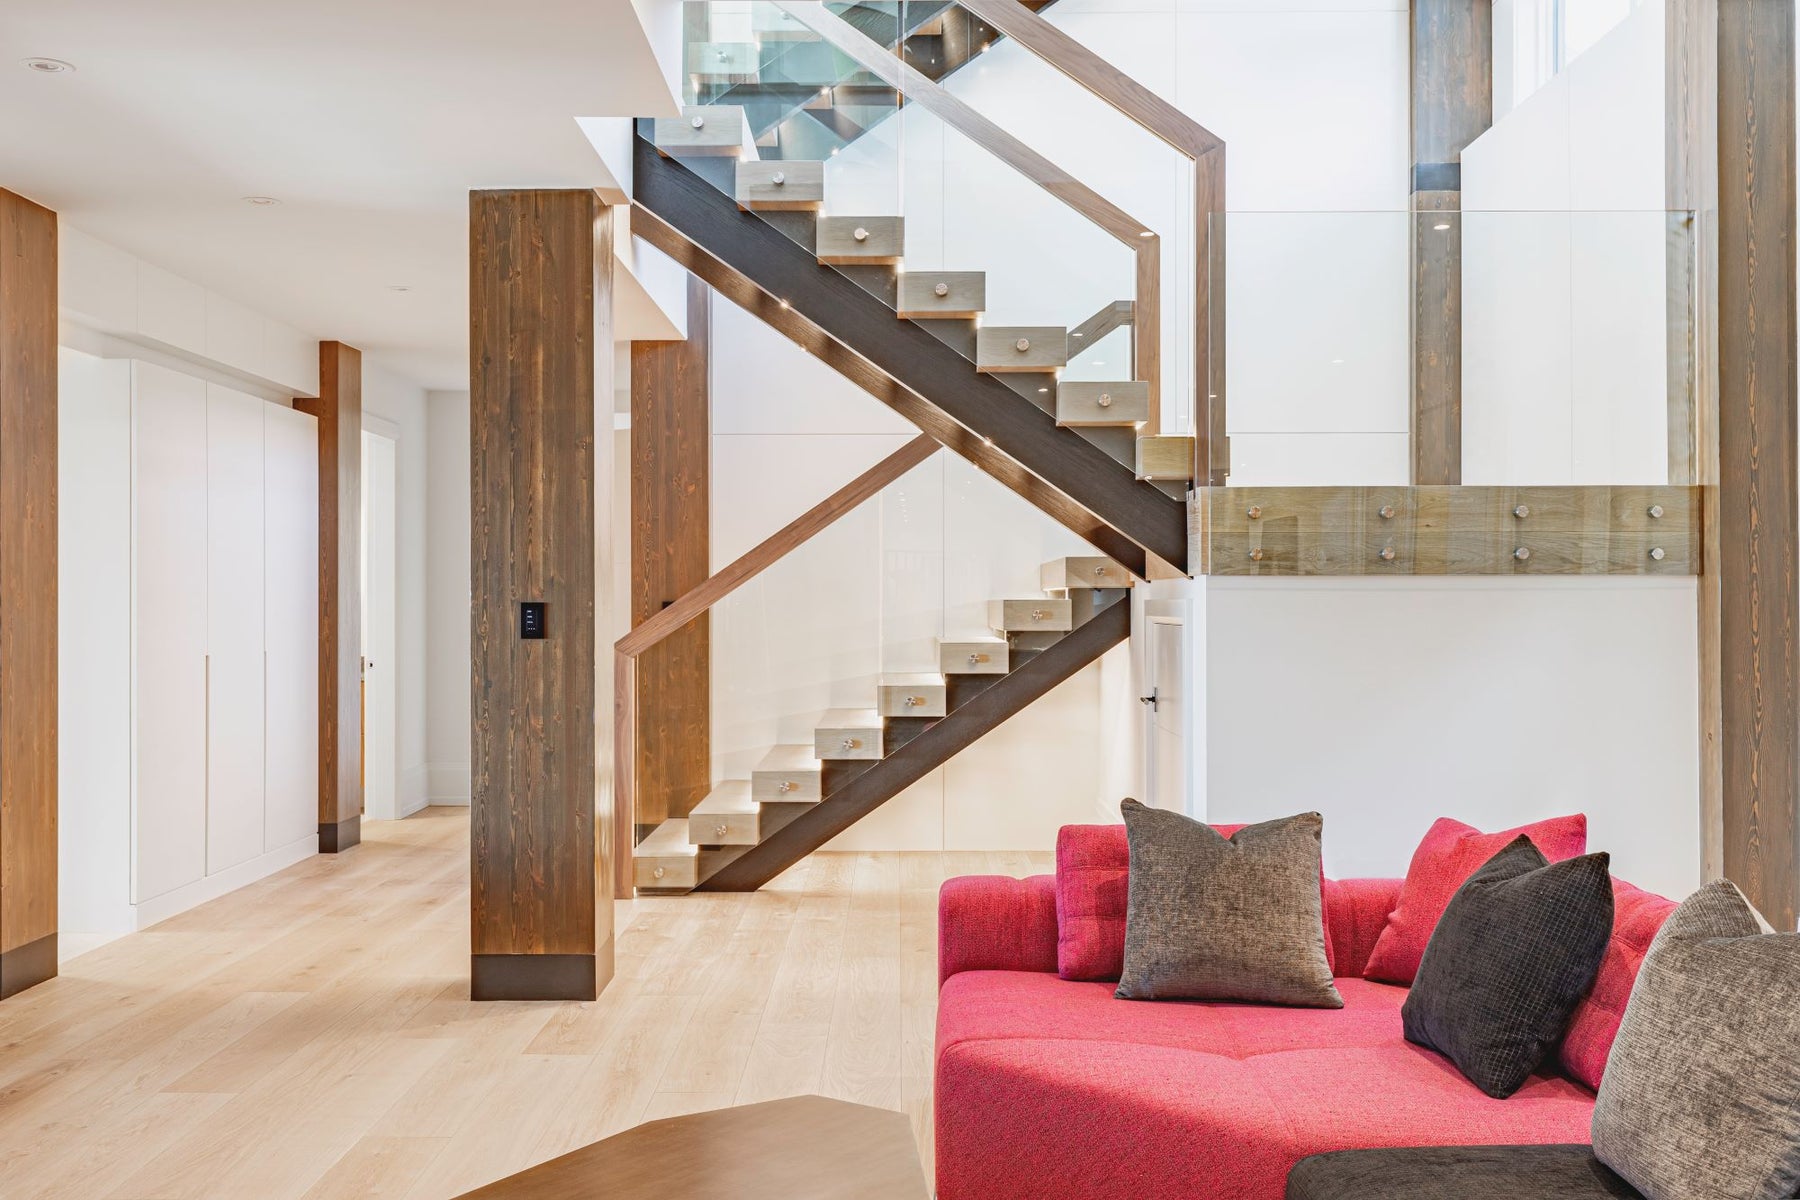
x,y
224,616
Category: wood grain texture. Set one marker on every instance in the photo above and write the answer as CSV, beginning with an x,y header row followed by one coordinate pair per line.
x,y
1436,426
805,1146
28,627
1758,529
338,410
1275,531
1452,105
904,366
238,1051
540,368
671,514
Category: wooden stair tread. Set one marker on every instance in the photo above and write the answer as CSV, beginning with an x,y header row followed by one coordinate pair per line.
x,y
1165,457
964,295
1036,614
1083,571
1123,403
850,718
789,775
998,348
954,655
914,679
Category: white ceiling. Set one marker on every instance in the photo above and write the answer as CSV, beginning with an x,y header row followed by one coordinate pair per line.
x,y
369,120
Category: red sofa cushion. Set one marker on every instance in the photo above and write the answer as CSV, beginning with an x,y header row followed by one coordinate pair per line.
x,y
1093,865
1637,916
1054,1118
1451,852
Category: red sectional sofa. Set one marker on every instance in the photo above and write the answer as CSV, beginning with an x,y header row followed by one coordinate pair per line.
x,y
1050,1088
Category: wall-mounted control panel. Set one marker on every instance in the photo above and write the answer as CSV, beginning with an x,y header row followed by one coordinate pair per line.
x,y
532,621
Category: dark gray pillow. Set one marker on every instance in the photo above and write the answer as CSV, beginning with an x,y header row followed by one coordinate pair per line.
x,y
1210,918
1701,1095
1511,957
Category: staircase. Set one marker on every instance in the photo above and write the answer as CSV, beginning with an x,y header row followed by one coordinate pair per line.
x,y
700,174
747,831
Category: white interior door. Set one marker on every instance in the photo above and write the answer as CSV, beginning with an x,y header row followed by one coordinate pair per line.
x,y
234,619
168,630
380,775
1165,730
291,626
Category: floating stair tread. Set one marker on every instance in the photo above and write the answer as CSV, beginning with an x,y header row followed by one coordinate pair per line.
x,y
954,655
731,797
789,775
942,295
920,679
928,688
883,240
1083,571
862,727
668,840
1039,348
780,185
724,130
1085,402
1017,616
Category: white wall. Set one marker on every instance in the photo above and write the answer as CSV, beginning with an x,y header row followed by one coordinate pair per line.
x,y
399,409
447,668
1384,704
1565,279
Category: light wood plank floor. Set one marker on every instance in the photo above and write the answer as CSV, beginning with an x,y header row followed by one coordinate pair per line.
x,y
310,1036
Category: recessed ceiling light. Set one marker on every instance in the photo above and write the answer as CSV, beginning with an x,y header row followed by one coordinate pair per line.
x,y
1442,225
48,66
261,201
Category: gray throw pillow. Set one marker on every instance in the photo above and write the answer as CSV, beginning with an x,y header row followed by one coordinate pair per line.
x,y
1210,918
1515,951
1701,1096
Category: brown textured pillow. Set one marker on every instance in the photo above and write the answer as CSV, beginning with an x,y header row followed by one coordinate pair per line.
x,y
1701,1096
1211,918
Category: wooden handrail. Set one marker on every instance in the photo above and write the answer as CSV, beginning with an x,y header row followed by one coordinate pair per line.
x,y
772,548
1144,243
1174,127
698,600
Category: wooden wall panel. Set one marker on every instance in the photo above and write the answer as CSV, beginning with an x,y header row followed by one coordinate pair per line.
x,y
1757,530
671,465
1452,103
28,382
339,413
540,386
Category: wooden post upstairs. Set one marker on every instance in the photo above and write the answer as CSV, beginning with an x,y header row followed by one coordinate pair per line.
x,y
28,382
1452,104
671,454
339,413
540,458
1749,652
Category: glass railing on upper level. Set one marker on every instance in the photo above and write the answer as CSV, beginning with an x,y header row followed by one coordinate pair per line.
x,y
1564,342
862,132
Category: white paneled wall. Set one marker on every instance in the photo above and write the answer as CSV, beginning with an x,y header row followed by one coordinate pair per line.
x,y
188,544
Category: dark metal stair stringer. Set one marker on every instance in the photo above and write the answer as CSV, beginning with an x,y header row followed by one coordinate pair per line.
x,y
922,754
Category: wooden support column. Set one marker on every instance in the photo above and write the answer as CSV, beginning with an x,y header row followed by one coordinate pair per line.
x,y
1750,653
339,412
28,250
540,442
1452,103
671,466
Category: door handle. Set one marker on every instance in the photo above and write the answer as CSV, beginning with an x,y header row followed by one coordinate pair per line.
x,y
1150,699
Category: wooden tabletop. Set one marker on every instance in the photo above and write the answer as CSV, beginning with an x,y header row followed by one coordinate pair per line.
x,y
806,1148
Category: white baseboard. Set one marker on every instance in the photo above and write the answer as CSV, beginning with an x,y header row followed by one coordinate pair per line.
x,y
447,783
229,880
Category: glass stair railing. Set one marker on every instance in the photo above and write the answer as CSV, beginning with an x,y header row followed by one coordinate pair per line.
x,y
812,117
